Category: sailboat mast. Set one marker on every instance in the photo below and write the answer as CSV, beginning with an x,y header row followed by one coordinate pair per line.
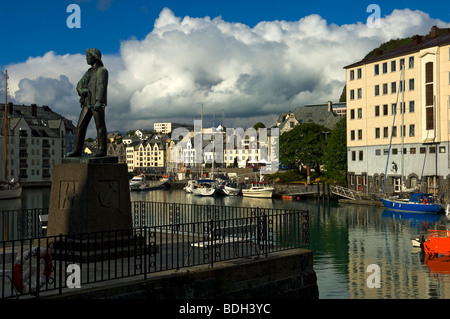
x,y
6,125
402,130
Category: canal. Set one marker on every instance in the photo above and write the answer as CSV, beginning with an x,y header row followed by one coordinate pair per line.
x,y
345,239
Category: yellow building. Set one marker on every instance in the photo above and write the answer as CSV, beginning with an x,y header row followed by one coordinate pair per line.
x,y
398,113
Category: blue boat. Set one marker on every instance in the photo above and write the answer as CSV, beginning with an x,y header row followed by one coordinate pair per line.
x,y
418,202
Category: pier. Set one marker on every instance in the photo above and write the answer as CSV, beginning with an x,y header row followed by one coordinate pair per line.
x,y
166,240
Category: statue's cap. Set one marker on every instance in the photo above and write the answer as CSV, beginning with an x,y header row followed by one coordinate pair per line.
x,y
95,52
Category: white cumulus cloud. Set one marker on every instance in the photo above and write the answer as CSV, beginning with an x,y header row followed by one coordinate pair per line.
x,y
249,74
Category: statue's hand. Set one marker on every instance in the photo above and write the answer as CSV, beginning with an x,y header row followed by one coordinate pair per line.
x,y
84,92
97,106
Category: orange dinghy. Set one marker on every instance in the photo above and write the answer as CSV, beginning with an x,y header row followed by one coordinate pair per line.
x,y
437,243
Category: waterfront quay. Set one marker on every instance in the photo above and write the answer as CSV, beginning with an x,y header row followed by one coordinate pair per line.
x,y
166,238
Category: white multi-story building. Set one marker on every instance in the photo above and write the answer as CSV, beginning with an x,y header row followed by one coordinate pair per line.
x,y
37,139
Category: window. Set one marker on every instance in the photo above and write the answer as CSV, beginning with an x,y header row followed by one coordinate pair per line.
x,y
377,90
429,118
394,131
360,113
352,135
411,62
376,69
401,86
411,84
353,155
352,75
352,94
377,110
352,114
385,109
402,63
441,149
361,155
432,149
385,89
412,129
359,93
377,132
394,108
411,106
423,150
384,67
393,66
359,134
429,72
393,87
412,150
378,152
394,151
359,73
385,132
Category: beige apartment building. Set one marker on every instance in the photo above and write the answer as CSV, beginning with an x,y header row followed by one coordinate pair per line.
x,y
398,117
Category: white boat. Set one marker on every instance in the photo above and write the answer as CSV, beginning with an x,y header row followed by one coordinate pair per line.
x,y
10,190
138,182
205,187
258,189
230,188
191,185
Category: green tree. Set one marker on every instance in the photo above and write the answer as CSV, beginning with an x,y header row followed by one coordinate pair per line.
x,y
303,145
335,157
258,126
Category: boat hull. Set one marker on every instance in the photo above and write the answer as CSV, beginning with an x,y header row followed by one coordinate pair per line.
x,y
10,193
411,206
264,193
231,191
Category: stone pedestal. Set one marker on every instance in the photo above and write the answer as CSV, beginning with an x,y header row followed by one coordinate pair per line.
x,y
89,195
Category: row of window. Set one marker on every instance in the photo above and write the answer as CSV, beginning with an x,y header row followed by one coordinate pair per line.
x,y
384,68
412,150
412,133
384,110
385,89
359,155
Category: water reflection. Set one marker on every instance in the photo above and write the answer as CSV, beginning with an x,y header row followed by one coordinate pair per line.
x,y
346,239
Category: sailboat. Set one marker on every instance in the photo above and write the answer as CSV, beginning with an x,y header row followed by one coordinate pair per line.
x,y
8,189
418,202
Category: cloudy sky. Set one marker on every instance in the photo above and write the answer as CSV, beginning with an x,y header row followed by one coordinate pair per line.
x,y
248,60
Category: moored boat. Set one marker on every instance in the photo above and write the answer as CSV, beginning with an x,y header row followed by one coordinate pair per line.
x,y
205,187
418,202
10,190
258,189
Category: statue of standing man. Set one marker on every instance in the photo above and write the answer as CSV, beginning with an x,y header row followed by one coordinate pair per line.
x,y
92,89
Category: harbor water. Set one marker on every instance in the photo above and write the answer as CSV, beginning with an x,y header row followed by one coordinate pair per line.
x,y
347,240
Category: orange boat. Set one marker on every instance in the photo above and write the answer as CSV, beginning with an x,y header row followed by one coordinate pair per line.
x,y
437,243
437,251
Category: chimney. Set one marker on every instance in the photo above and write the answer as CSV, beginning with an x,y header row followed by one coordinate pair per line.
x,y
330,106
34,110
11,108
417,39
434,32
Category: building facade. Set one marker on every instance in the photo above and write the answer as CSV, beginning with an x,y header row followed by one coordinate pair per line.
x,y
37,139
398,117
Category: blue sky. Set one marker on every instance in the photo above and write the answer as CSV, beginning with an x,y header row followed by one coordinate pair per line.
x,y
36,27
249,59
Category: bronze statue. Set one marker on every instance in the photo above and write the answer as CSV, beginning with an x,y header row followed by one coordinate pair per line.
x,y
92,89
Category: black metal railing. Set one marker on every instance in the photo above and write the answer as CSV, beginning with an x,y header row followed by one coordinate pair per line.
x,y
164,237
